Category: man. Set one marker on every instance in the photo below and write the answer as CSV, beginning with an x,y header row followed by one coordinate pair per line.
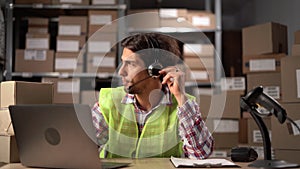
x,y
150,115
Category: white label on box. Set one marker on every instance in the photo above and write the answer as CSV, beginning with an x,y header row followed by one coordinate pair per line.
x,y
295,129
101,2
298,82
65,63
70,1
168,13
68,87
100,19
37,55
226,126
37,43
99,46
100,61
201,21
67,46
199,75
273,91
257,137
233,83
262,65
192,48
69,30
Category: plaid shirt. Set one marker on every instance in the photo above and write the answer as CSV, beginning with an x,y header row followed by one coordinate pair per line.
x,y
197,140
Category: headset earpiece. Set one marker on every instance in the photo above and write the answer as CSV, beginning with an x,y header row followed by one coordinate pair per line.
x,y
155,67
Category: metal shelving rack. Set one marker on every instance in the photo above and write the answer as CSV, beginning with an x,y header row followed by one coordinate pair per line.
x,y
218,40
10,6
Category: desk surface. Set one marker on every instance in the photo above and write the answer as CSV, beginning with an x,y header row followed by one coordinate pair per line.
x,y
147,163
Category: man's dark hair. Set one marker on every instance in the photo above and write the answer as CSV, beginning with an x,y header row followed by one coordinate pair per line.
x,y
165,48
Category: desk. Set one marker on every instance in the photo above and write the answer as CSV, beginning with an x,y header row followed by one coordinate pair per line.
x,y
145,163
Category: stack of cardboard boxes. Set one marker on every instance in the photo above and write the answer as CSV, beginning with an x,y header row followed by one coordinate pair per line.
x,y
14,93
37,56
169,19
264,46
72,33
221,111
200,61
286,136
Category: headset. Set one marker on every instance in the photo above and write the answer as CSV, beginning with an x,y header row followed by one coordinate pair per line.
x,y
155,67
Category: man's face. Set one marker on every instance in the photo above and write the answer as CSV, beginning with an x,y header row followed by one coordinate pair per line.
x,y
132,69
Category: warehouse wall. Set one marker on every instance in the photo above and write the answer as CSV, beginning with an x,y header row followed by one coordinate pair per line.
x,y
282,11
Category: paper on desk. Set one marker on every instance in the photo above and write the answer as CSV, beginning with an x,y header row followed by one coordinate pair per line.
x,y
185,162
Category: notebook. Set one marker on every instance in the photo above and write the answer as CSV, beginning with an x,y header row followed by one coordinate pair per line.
x,y
57,136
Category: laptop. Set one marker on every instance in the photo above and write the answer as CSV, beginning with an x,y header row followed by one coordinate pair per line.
x,y
57,136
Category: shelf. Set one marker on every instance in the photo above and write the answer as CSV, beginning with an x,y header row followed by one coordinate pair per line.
x,y
173,30
68,6
62,75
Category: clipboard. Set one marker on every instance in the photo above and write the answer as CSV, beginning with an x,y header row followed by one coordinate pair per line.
x,y
206,163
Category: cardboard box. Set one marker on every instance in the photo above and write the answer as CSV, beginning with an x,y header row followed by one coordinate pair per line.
x,y
296,50
286,136
264,39
291,156
45,2
102,42
202,19
101,62
18,92
224,131
221,153
225,105
34,60
75,2
290,79
70,43
138,17
234,84
297,37
89,97
200,63
262,63
172,13
254,134
68,62
65,90
5,122
72,25
271,83
9,151
200,50
37,30
103,2
174,23
38,22
225,140
102,19
200,75
37,41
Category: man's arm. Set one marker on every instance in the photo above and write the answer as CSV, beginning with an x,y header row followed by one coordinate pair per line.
x,y
197,140
100,125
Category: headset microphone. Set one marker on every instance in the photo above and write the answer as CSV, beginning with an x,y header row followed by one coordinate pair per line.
x,y
134,84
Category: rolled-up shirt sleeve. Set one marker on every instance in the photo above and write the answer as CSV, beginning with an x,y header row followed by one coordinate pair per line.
x,y
100,126
197,140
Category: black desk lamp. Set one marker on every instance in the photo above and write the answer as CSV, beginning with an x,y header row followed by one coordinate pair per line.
x,y
252,102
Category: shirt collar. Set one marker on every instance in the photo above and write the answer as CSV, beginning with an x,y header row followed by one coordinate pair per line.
x,y
167,98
